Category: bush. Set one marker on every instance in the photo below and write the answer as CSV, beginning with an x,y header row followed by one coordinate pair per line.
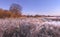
x,y
8,14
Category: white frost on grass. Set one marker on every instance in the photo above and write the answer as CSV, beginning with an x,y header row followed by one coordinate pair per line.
x,y
36,24
55,23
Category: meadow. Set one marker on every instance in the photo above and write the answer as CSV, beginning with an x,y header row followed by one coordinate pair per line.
x,y
29,27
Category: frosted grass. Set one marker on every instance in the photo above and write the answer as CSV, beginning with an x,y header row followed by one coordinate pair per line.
x,y
29,27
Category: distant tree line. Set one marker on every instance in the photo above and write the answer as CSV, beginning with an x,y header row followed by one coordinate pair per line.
x,y
15,11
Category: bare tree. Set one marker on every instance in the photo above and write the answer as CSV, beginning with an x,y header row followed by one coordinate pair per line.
x,y
16,8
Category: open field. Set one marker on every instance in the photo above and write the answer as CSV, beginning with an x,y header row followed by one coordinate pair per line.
x,y
29,27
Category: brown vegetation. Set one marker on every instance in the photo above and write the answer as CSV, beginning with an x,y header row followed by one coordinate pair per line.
x,y
14,11
8,14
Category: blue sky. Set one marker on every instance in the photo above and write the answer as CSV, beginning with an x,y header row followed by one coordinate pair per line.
x,y
32,7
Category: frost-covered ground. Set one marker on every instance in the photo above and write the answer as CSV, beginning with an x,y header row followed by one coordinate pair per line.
x,y
29,27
